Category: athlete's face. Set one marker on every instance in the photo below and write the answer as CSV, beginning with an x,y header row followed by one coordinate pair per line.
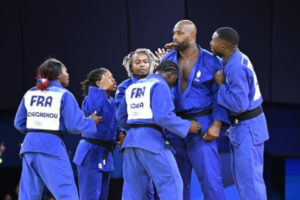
x,y
180,37
140,65
64,77
216,45
110,80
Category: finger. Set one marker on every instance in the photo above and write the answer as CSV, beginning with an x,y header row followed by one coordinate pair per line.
x,y
97,119
158,55
163,51
207,137
159,51
169,45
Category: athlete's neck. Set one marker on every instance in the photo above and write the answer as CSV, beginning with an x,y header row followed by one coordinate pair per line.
x,y
228,54
189,51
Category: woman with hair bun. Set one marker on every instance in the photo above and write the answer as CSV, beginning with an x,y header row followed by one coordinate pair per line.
x,y
46,112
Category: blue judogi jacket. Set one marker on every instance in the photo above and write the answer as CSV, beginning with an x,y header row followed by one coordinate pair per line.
x,y
96,100
240,92
120,93
201,90
52,109
159,110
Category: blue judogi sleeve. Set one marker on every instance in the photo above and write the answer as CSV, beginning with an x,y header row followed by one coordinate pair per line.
x,y
94,100
163,111
122,114
219,113
20,119
120,94
234,94
74,119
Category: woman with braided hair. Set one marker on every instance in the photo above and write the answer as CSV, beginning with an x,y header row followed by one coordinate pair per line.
x,y
138,64
146,111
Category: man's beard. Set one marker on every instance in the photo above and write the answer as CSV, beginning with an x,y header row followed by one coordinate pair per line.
x,y
181,46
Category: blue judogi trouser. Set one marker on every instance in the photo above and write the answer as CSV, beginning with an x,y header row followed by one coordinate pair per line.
x,y
202,156
247,165
141,165
92,183
55,172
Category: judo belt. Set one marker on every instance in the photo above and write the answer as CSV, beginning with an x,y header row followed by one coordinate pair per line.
x,y
147,125
108,145
193,115
57,133
160,129
208,111
246,115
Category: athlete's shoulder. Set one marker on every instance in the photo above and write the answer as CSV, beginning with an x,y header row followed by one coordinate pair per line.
x,y
49,89
58,89
150,79
125,83
213,62
209,56
170,55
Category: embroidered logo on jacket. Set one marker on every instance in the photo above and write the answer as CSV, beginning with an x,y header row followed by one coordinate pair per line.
x,y
198,76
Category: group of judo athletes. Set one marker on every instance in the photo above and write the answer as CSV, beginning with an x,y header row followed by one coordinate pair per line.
x,y
160,146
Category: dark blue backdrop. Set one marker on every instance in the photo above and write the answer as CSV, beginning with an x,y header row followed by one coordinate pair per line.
x,y
86,34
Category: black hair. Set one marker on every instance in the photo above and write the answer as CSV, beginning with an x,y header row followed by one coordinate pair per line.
x,y
166,66
91,78
228,34
50,69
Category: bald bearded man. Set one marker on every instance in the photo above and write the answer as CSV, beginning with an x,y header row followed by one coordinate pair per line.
x,y
195,99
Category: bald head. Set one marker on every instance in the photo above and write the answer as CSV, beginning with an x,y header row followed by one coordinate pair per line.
x,y
186,26
184,35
